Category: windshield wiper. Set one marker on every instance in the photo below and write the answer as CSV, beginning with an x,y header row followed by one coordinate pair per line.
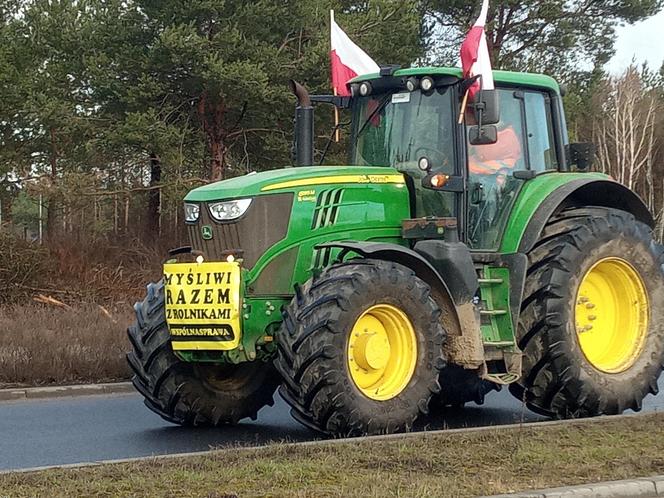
x,y
378,108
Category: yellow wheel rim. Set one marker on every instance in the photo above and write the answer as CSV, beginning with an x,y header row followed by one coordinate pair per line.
x,y
611,315
382,352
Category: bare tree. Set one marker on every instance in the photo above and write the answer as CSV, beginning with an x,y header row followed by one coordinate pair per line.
x,y
624,131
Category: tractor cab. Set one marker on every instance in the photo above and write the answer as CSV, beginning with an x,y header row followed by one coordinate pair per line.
x,y
410,120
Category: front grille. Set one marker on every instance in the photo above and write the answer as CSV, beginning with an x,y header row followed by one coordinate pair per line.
x,y
264,224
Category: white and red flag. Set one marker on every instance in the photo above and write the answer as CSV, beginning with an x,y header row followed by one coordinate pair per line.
x,y
475,58
348,60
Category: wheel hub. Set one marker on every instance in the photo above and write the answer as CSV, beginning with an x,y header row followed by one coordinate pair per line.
x,y
611,315
382,352
372,350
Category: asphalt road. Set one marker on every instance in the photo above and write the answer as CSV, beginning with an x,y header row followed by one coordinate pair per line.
x,y
94,428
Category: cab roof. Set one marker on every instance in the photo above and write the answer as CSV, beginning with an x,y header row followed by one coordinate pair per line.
x,y
506,78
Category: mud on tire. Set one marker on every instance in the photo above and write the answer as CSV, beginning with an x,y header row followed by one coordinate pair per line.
x,y
558,380
191,393
313,341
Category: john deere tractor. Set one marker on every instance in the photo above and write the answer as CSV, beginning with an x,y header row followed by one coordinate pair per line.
x,y
465,246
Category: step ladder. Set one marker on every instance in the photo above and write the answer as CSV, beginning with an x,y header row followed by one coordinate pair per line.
x,y
502,354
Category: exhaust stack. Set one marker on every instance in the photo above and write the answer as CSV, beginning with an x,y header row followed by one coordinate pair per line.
x,y
304,126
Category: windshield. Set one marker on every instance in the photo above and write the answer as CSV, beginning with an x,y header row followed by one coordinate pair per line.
x,y
398,129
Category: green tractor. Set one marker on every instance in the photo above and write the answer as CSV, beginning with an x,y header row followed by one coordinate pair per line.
x,y
450,257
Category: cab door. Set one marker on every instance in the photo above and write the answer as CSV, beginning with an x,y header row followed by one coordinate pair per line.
x,y
496,172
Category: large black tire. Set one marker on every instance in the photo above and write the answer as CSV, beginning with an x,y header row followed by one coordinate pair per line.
x,y
558,380
192,393
313,342
459,386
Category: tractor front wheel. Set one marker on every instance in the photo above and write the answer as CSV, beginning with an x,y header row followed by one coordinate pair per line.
x,y
360,349
592,324
192,393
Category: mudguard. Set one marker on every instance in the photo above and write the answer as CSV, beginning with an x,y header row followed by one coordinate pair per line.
x,y
397,254
582,192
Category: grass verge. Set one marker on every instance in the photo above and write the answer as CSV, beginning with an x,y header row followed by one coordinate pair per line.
x,y
45,345
441,465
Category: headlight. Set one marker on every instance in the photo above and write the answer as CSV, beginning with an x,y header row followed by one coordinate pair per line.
x,y
191,212
229,210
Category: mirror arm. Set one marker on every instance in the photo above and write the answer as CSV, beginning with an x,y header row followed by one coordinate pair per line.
x,y
336,100
479,107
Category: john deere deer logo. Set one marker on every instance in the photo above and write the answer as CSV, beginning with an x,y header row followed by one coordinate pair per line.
x,y
206,232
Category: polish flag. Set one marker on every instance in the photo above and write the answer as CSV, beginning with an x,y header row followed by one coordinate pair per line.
x,y
475,58
348,60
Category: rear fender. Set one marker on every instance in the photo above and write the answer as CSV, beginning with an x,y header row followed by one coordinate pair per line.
x,y
583,192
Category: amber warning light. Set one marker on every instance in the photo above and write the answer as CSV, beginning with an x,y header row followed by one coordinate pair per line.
x,y
439,180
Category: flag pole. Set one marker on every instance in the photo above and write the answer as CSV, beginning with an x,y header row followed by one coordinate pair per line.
x,y
334,90
464,104
336,121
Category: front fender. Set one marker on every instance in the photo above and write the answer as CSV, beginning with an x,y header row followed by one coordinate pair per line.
x,y
397,254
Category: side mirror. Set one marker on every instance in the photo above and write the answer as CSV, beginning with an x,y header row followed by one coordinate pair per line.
x,y
486,135
581,155
486,107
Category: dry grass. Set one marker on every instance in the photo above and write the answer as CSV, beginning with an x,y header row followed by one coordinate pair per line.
x,y
49,345
447,465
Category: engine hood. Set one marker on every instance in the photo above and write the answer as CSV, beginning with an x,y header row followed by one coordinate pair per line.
x,y
290,179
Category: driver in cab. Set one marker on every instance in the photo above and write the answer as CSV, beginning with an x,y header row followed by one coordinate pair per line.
x,y
490,165
497,159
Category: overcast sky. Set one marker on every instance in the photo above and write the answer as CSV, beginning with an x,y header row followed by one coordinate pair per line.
x,y
644,40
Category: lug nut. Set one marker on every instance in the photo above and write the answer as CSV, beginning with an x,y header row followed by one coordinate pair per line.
x,y
590,306
592,317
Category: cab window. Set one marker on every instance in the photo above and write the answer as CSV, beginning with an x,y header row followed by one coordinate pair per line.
x,y
507,154
398,129
541,150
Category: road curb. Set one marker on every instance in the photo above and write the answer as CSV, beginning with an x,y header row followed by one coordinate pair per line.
x,y
646,487
64,391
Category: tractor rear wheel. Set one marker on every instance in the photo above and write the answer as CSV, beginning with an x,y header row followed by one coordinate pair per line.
x,y
192,393
591,326
360,349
